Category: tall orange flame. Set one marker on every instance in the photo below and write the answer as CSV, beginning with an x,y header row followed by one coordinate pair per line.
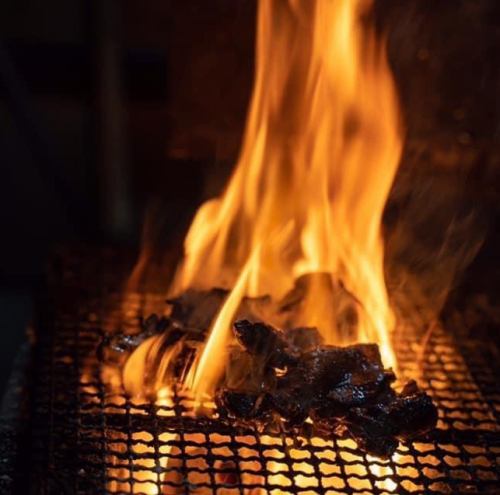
x,y
320,152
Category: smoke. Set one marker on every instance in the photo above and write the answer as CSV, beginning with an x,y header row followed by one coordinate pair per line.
x,y
434,231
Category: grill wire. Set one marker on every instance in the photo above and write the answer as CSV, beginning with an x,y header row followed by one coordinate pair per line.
x,y
86,441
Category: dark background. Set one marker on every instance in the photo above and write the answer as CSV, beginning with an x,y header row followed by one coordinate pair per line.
x,y
108,104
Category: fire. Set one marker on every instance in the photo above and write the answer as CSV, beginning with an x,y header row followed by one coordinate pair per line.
x,y
320,151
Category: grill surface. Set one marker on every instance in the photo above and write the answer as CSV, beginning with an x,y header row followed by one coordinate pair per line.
x,y
86,441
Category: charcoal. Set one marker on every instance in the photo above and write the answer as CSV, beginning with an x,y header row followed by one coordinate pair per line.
x,y
343,390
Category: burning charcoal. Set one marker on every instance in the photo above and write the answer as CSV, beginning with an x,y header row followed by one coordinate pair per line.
x,y
262,340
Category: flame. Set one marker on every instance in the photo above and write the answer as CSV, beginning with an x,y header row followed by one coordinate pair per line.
x,y
319,155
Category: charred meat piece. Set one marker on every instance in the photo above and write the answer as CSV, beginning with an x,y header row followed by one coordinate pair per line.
x,y
114,348
413,412
379,425
244,371
292,400
345,375
330,380
266,342
343,390
242,405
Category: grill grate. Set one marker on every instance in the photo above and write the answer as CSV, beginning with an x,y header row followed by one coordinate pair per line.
x,y
84,440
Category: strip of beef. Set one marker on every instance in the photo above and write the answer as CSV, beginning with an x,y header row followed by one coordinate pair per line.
x,y
344,390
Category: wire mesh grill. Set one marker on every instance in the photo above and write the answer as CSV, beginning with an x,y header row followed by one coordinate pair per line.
x,y
86,440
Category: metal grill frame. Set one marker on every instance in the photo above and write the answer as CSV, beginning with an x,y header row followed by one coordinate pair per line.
x,y
83,440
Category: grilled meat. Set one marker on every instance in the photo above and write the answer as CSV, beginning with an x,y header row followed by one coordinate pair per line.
x,y
344,390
